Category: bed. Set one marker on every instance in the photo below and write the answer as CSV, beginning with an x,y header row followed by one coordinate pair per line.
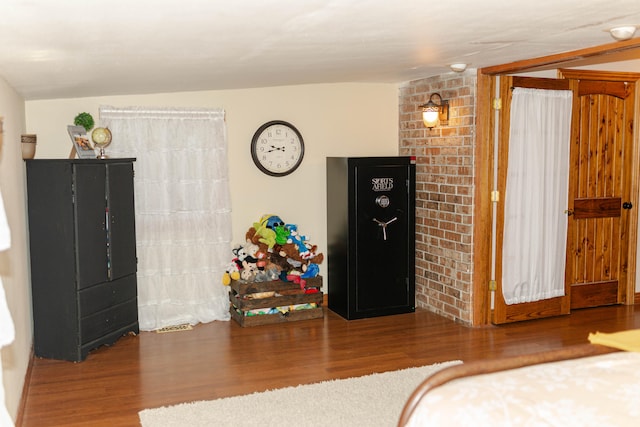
x,y
584,385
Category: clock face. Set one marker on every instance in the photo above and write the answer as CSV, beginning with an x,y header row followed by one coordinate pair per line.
x,y
277,148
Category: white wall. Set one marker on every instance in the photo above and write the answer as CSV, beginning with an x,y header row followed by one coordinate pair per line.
x,y
334,119
14,264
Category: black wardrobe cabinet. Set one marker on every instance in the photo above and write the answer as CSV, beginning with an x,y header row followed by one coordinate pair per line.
x,y
83,254
371,235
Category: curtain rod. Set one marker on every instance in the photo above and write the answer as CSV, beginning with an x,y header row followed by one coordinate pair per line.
x,y
161,111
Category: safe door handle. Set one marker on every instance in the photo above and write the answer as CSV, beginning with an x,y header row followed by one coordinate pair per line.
x,y
384,225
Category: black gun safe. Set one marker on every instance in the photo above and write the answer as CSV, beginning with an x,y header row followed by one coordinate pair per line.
x,y
371,235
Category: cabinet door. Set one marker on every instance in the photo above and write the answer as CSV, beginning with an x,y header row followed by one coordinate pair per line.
x,y
122,232
90,205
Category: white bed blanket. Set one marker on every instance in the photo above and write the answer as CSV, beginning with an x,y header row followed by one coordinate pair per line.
x,y
593,391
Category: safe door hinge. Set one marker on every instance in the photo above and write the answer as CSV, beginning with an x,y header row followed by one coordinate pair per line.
x,y
492,285
495,196
497,103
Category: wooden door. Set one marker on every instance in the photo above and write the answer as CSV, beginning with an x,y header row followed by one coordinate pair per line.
x,y
600,204
503,313
602,227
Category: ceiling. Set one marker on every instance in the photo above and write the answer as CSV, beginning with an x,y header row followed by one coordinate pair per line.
x,y
74,48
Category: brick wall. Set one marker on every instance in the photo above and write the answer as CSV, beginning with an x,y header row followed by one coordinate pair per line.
x,y
444,192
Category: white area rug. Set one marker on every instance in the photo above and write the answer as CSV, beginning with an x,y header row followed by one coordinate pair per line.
x,y
372,400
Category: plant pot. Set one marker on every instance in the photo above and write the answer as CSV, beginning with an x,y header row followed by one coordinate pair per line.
x,y
28,143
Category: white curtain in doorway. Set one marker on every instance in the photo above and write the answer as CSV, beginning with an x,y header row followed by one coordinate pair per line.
x,y
535,225
183,210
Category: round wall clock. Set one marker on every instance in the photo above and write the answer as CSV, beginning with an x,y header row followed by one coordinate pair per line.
x,y
277,148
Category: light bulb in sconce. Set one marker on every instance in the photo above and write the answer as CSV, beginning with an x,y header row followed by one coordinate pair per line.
x,y
430,118
623,32
458,68
435,113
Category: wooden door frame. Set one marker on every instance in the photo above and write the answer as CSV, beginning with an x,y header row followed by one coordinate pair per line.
x,y
484,162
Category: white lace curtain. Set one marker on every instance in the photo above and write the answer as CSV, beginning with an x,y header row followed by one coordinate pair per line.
x,y
535,226
183,210
7,331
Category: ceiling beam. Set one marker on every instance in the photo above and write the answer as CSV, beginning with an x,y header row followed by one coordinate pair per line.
x,y
629,47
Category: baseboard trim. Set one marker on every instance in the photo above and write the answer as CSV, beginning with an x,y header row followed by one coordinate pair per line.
x,y
25,390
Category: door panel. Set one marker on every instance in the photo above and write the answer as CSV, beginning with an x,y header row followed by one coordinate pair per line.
x,y
599,244
382,238
600,207
502,312
91,243
122,232
593,294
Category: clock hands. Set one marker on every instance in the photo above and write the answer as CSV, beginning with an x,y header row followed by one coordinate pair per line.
x,y
273,148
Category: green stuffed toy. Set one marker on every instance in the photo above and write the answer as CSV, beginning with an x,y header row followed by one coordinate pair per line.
x,y
266,235
282,234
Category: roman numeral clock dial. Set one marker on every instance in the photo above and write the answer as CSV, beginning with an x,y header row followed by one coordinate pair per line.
x,y
277,148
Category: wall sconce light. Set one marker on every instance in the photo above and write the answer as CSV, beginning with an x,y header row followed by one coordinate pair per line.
x,y
435,114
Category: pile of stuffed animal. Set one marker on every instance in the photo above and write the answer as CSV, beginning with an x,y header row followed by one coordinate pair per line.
x,y
274,250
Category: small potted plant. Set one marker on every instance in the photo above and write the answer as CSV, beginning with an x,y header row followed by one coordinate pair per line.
x,y
85,120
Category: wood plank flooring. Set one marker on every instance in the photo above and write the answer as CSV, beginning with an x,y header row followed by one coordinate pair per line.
x,y
222,359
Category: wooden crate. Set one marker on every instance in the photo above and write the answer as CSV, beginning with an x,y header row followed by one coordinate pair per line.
x,y
288,293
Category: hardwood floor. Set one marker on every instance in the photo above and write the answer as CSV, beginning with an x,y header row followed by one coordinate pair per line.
x,y
222,359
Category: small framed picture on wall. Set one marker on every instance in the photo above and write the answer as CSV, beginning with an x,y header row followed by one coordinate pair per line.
x,y
81,143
